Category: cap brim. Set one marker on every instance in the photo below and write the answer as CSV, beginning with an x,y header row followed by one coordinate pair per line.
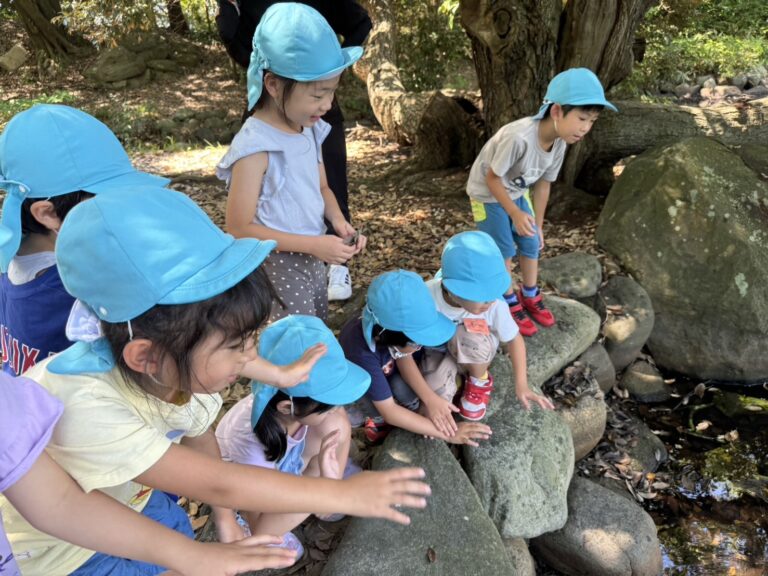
x,y
352,386
351,55
486,291
238,260
435,335
126,181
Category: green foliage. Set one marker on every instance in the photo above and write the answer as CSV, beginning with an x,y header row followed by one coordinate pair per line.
x,y
11,107
428,48
690,38
201,16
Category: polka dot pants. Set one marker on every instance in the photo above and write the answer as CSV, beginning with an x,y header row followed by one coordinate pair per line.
x,y
300,282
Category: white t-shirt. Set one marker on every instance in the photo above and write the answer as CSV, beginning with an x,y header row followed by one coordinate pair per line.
x,y
109,434
497,317
23,269
237,441
515,155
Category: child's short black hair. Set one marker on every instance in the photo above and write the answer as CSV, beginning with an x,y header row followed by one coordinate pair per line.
x,y
386,337
586,108
271,433
178,329
62,204
288,86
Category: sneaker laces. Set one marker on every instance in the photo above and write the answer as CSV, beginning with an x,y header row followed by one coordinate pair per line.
x,y
518,313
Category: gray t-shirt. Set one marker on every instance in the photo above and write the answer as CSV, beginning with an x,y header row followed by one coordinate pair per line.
x,y
514,154
289,199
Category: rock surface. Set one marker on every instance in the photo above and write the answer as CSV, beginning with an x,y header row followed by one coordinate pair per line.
x,y
644,383
575,274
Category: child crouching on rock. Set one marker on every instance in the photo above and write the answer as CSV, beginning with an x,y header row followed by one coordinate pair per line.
x,y
301,430
469,290
399,318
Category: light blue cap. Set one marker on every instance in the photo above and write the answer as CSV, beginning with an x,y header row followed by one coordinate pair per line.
x,y
574,87
294,41
50,150
125,252
333,379
473,267
400,301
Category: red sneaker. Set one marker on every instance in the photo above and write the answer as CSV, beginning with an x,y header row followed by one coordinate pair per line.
x,y
535,307
375,431
484,390
525,324
473,400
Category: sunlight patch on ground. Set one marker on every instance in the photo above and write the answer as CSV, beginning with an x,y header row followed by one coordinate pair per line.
x,y
200,161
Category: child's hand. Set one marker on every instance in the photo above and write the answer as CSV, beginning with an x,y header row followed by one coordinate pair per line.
x,y
331,249
351,237
327,460
526,396
250,554
379,494
468,432
525,224
292,374
440,412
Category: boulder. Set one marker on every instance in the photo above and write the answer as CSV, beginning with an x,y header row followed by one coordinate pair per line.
x,y
575,274
115,65
522,473
755,156
644,383
599,362
163,65
586,419
647,452
14,58
452,536
606,535
629,319
522,561
687,220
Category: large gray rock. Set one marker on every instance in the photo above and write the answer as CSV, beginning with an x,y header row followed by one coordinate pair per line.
x,y
629,319
606,535
522,473
586,418
688,221
599,362
452,536
520,556
115,65
14,58
575,274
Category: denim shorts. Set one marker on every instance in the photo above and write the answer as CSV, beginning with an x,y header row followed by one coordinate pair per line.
x,y
160,508
492,219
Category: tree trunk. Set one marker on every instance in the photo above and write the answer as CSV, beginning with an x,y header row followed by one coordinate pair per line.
x,y
46,37
441,128
616,136
519,45
178,22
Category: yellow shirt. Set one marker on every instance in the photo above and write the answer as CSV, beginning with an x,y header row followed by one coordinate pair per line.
x,y
110,433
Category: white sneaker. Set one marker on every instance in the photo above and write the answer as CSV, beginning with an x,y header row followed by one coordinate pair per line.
x,y
339,282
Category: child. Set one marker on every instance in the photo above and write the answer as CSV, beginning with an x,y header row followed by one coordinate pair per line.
x,y
274,168
399,318
468,290
170,305
51,158
523,154
54,503
301,430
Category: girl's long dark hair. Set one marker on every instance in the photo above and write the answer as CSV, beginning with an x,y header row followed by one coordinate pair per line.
x,y
270,431
177,330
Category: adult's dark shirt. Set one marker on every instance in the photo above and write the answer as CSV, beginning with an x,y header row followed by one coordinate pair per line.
x,y
347,18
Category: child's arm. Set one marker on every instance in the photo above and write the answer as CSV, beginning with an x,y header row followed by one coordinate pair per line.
x,y
395,415
334,214
524,223
242,205
540,199
51,501
284,376
439,411
516,351
183,470
227,528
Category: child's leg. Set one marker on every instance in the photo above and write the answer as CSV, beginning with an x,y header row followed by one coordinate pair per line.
x,y
160,508
492,219
530,297
299,280
473,352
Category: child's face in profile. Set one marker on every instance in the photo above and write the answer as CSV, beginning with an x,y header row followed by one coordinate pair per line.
x,y
217,363
574,125
309,101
